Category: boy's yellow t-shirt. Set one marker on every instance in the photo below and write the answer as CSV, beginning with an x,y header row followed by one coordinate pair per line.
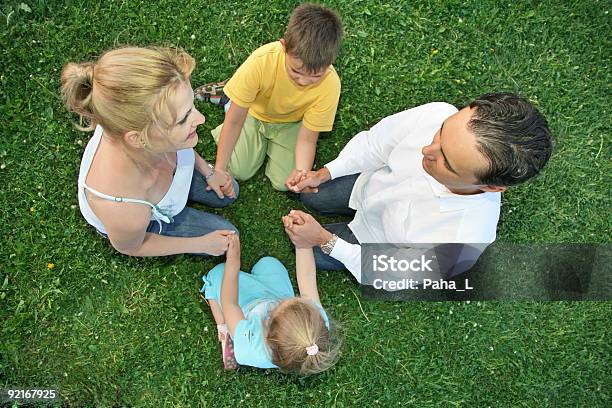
x,y
263,85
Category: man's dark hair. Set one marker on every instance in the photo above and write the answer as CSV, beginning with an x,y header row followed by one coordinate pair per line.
x,y
314,34
512,135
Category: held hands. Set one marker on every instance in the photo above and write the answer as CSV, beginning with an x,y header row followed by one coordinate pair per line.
x,y
293,218
303,230
302,181
217,242
222,184
294,178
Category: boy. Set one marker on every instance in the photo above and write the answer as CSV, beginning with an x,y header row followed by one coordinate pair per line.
x,y
278,101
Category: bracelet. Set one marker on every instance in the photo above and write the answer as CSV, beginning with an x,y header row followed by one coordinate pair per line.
x,y
328,247
212,172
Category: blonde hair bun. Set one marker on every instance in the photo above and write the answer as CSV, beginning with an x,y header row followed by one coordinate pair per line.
x,y
127,89
77,87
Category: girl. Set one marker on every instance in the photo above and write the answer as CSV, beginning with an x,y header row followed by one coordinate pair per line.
x,y
269,326
139,168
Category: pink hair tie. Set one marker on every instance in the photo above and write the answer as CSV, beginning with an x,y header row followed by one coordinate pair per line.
x,y
312,350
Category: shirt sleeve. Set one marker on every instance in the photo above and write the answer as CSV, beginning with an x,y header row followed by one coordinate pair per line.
x,y
249,345
319,117
370,149
349,255
246,82
395,232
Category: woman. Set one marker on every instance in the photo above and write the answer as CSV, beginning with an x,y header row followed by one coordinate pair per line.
x,y
140,168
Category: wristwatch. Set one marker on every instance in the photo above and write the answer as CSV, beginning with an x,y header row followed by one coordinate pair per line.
x,y
328,247
212,171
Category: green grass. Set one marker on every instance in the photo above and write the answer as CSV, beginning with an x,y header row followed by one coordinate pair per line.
x,y
108,330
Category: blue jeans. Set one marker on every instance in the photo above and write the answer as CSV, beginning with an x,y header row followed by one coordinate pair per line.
x,y
333,199
194,223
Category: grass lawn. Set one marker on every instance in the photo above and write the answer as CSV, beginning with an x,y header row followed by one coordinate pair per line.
x,y
109,330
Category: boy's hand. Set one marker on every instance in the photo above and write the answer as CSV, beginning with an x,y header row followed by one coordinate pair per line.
x,y
311,180
228,187
233,251
296,177
221,182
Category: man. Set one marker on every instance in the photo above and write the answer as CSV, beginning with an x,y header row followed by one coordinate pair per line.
x,y
431,174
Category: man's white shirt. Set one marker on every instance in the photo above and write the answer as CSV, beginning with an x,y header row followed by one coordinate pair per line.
x,y
396,200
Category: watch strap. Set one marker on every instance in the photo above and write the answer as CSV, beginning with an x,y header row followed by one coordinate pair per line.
x,y
328,247
212,172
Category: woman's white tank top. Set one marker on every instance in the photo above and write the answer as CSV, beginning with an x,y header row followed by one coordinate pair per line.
x,y
172,203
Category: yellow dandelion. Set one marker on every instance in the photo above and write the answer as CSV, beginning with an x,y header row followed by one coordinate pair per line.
x,y
50,265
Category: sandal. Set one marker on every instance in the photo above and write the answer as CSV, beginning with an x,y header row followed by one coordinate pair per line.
x,y
212,92
227,353
227,348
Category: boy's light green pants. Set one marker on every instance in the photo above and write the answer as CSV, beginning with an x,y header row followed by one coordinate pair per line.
x,y
260,139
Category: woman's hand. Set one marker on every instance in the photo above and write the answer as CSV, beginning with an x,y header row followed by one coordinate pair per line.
x,y
215,243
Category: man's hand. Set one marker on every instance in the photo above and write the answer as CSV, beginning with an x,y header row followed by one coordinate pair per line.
x,y
310,181
304,231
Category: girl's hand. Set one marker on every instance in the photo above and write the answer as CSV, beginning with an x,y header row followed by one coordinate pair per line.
x,y
233,251
229,286
292,219
304,231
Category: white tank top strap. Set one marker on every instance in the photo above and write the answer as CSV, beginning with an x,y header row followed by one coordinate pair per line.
x,y
173,202
155,211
